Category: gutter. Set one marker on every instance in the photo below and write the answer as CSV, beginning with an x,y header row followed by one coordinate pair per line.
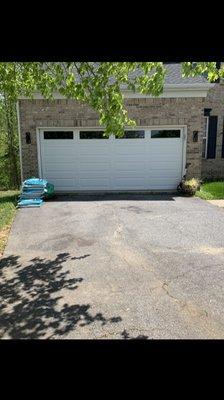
x,y
170,90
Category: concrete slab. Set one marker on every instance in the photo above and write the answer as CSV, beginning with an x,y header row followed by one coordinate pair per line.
x,y
121,267
218,203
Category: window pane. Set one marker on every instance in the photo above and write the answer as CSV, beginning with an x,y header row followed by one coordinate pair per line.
x,y
58,135
203,147
166,134
92,135
132,135
206,126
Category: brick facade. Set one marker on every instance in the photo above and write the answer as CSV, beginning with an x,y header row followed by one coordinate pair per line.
x,y
214,168
147,112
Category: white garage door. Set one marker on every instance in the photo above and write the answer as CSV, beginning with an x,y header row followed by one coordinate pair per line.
x,y
85,160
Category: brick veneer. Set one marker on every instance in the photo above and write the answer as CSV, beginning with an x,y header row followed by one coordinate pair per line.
x,y
146,112
214,168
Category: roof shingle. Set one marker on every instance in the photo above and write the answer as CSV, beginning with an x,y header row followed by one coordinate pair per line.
x,y
174,76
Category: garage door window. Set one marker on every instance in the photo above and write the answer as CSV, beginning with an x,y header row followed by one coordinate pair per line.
x,y
92,135
58,135
165,134
133,135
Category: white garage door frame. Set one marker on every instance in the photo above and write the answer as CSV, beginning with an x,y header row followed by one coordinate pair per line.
x,y
76,130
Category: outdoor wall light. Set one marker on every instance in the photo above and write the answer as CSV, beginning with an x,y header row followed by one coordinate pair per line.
x,y
207,112
28,138
195,136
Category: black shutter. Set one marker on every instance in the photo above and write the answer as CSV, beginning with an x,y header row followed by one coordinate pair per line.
x,y
212,134
223,140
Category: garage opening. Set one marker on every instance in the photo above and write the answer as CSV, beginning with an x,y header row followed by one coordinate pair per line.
x,y
87,160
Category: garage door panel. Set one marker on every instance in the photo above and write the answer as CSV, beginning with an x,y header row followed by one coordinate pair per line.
x,y
57,143
163,187
130,183
64,183
164,146
132,152
94,183
58,160
165,149
64,167
59,155
155,159
129,174
49,149
129,165
99,150
60,175
165,174
94,174
112,164
164,165
91,167
94,160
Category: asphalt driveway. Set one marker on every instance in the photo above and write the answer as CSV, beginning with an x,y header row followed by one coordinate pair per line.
x,y
114,267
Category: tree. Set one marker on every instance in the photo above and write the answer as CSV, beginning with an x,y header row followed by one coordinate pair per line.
x,y
98,84
9,147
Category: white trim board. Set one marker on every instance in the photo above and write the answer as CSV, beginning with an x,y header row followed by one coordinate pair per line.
x,y
183,129
170,91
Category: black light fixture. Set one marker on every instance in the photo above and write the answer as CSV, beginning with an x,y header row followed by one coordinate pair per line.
x,y
195,136
28,138
207,112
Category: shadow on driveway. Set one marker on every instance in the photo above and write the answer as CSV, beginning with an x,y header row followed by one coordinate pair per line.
x,y
115,197
29,298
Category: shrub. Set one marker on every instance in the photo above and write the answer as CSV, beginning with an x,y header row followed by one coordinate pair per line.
x,y
190,186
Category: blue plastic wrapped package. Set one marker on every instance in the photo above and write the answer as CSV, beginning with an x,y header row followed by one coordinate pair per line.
x,y
33,191
30,203
35,182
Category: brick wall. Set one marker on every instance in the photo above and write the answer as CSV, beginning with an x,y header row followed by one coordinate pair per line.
x,y
146,112
214,168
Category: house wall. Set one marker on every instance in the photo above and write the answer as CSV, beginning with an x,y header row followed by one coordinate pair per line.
x,y
145,111
214,168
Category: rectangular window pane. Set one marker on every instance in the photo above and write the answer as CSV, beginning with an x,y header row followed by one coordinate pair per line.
x,y
205,126
58,135
132,135
203,147
205,137
165,134
92,135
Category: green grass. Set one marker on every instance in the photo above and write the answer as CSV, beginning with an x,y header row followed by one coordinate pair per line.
x,y
211,191
8,201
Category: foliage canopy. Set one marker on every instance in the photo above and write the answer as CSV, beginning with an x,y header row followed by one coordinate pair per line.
x,y
98,84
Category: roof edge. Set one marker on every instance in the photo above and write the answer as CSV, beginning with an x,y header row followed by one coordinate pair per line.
x,y
170,90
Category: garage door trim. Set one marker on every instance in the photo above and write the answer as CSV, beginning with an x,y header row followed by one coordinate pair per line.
x,y
76,130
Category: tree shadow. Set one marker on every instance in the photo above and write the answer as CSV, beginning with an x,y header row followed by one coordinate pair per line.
x,y
9,198
29,299
126,335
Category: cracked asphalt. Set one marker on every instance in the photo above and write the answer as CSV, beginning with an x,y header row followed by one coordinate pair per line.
x,y
114,267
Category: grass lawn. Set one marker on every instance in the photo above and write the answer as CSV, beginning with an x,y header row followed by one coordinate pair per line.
x,y
211,191
8,201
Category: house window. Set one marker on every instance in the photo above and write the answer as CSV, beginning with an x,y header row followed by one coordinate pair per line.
x,y
205,138
92,135
58,135
132,135
165,134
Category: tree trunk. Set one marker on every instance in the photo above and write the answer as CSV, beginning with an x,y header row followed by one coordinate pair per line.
x,y
12,139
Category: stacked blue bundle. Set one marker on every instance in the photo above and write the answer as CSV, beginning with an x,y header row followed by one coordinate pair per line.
x,y
32,192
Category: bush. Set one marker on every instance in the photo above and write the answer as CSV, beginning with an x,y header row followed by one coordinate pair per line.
x,y
190,186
